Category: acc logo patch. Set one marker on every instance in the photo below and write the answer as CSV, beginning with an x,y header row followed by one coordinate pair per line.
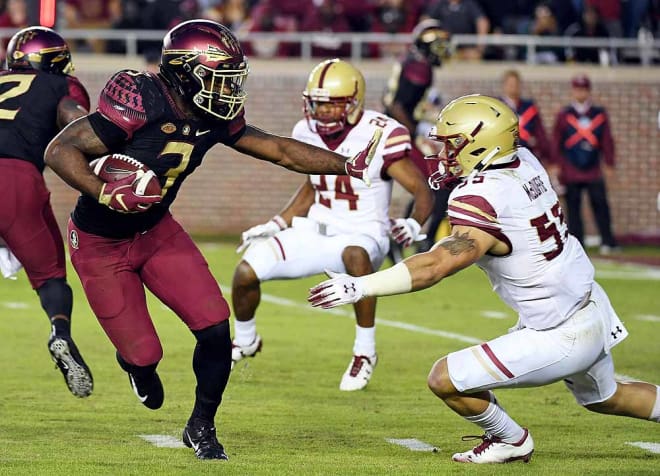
x,y
73,239
168,128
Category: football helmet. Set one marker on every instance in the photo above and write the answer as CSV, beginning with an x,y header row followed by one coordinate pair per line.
x,y
204,62
431,41
39,48
333,83
475,132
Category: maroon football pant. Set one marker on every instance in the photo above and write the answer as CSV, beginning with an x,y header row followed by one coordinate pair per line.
x,y
114,272
27,223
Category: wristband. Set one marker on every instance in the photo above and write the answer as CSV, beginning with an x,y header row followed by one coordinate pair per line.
x,y
279,221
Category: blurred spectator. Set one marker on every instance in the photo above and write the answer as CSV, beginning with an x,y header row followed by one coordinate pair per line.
x,y
566,12
545,24
359,13
610,14
92,14
325,19
584,150
231,13
280,16
589,26
393,16
531,130
634,12
461,17
14,16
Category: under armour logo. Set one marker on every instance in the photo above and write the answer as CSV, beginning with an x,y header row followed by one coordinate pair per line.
x,y
616,331
350,287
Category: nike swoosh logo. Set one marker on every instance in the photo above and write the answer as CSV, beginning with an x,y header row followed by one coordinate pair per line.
x,y
120,199
135,390
201,133
194,445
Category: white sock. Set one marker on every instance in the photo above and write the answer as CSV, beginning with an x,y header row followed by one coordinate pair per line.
x,y
655,413
365,341
498,423
245,332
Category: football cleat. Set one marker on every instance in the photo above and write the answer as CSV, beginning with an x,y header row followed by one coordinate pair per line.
x,y
149,390
358,373
238,352
77,375
200,436
494,450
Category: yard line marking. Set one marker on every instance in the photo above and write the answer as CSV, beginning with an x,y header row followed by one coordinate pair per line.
x,y
494,314
383,322
16,305
413,444
163,441
625,378
646,445
647,317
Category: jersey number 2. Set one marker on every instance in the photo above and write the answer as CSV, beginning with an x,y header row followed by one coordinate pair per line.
x,y
343,191
23,85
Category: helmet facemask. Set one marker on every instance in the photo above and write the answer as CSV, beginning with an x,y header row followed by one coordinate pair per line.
x,y
327,124
221,92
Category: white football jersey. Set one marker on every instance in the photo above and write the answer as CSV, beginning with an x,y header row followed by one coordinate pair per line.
x,y
345,203
547,275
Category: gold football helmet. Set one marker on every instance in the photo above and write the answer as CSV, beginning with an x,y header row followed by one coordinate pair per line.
x,y
333,97
475,132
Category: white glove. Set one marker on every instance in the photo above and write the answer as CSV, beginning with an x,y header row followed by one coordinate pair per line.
x,y
339,289
260,232
406,231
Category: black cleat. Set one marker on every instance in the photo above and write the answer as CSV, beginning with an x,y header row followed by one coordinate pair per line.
x,y
149,390
66,356
200,436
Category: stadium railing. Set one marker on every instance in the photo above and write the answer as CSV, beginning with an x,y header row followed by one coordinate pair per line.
x,y
645,49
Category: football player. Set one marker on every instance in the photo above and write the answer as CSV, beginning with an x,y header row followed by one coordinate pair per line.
x,y
121,241
340,215
38,96
507,220
408,95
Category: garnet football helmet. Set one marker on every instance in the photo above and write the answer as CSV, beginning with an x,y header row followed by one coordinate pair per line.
x,y
475,132
336,83
39,48
204,62
431,41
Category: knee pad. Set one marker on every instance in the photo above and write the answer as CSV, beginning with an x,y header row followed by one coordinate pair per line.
x,y
56,297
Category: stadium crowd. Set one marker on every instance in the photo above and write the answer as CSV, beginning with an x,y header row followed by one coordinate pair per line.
x,y
579,18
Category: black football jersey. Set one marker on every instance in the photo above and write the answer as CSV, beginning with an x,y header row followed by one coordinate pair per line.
x,y
137,116
409,83
28,111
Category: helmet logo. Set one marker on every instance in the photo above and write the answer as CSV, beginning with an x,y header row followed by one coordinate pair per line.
x,y
212,53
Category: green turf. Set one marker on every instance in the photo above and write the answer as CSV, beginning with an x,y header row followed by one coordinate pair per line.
x,y
283,412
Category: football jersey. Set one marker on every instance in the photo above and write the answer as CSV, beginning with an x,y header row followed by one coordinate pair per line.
x,y
345,203
547,275
137,116
28,111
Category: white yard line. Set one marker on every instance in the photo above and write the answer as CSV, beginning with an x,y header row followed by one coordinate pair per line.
x,y
16,305
413,444
647,317
646,445
163,441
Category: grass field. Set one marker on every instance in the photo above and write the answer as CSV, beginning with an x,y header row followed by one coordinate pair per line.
x,y
283,412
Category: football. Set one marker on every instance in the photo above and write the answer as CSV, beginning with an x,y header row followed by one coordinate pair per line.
x,y
113,167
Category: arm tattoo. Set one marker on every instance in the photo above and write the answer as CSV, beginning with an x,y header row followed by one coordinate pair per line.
x,y
457,243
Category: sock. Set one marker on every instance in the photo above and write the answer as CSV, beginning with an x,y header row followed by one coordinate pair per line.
x,y
497,422
211,364
245,332
655,413
61,327
365,341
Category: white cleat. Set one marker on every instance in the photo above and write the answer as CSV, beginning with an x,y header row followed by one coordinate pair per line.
x,y
239,352
358,373
494,450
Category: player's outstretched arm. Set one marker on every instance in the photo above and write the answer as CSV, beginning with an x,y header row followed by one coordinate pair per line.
x,y
67,155
458,251
300,157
